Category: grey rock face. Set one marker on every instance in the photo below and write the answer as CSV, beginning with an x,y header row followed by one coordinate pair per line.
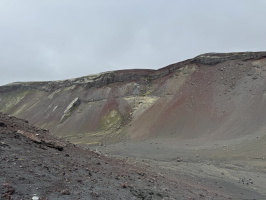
x,y
215,58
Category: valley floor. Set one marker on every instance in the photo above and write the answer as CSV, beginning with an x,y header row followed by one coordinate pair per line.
x,y
231,169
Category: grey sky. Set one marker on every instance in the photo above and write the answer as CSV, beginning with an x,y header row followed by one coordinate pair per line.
x,y
60,39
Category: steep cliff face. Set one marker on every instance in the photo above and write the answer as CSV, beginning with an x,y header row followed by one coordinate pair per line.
x,y
212,96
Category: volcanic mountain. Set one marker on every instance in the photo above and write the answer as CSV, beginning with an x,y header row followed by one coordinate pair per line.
x,y
212,96
202,121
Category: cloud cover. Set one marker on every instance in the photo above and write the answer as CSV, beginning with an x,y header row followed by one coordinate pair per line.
x,y
60,39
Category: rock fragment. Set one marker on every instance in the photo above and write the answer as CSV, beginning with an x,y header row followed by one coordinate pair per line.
x,y
65,192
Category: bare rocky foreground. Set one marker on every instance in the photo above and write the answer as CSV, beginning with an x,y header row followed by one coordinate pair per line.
x,y
35,162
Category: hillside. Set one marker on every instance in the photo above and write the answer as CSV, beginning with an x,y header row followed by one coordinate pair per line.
x,y
212,97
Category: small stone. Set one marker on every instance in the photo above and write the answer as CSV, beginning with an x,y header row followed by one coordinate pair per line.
x,y
35,197
2,124
94,194
65,192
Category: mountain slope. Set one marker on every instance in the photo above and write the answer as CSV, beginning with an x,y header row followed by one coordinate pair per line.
x,y
210,97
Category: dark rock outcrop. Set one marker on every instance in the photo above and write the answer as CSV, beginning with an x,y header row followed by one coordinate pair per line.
x,y
215,58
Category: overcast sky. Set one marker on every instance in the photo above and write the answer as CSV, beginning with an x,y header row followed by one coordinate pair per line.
x,y
60,39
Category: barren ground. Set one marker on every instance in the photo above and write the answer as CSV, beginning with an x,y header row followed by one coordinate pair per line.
x,y
191,130
35,162
236,169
